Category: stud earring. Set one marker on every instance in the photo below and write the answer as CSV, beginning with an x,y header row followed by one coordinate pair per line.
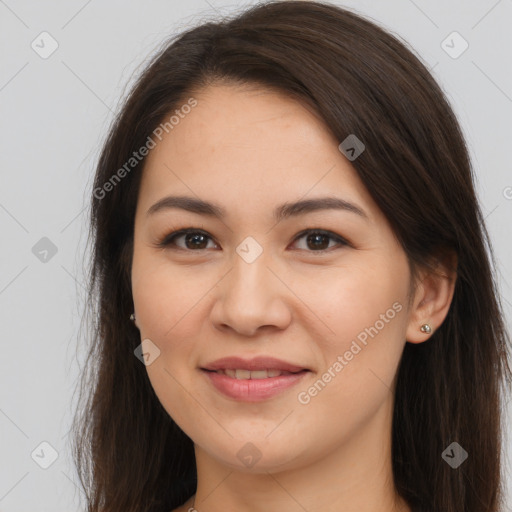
x,y
426,328
132,317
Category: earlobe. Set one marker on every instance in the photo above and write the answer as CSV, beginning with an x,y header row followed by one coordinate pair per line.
x,y
432,300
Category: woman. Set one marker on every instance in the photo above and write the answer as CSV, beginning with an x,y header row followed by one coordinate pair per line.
x,y
295,306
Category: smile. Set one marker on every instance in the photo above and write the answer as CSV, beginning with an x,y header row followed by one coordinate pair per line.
x,y
257,374
252,386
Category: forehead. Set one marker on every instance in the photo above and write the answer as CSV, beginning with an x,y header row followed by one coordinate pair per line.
x,y
249,146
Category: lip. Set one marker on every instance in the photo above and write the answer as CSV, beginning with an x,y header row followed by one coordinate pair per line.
x,y
257,363
252,390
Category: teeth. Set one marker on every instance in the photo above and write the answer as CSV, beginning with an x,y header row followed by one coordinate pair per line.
x,y
243,374
260,374
256,374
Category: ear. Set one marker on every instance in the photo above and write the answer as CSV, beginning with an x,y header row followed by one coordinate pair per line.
x,y
433,298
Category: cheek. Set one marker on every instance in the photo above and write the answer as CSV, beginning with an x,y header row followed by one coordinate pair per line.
x,y
167,297
360,329
168,308
167,303
347,300
360,357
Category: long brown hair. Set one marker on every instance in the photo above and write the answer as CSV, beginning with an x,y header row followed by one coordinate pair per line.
x,y
361,80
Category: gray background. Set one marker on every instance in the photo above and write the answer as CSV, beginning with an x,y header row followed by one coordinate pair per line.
x,y
55,112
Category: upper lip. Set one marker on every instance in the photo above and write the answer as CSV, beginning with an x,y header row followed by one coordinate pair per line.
x,y
256,363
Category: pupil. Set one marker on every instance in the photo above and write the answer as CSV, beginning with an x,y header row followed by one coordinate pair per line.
x,y
195,236
316,237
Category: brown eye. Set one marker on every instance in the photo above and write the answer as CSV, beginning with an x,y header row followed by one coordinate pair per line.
x,y
196,240
193,239
319,240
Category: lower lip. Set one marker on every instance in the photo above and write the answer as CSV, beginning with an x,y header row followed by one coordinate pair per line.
x,y
253,390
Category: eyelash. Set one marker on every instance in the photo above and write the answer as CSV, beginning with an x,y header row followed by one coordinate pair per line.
x,y
168,241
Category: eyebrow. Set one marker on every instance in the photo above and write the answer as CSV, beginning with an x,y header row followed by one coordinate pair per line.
x,y
283,211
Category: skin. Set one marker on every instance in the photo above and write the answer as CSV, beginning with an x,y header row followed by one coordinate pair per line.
x,y
249,150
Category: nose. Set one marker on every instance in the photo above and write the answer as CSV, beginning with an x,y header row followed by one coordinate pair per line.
x,y
251,298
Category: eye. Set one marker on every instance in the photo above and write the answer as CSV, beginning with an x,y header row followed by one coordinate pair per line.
x,y
318,240
195,238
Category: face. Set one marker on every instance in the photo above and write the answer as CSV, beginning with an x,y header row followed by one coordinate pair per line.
x,y
322,289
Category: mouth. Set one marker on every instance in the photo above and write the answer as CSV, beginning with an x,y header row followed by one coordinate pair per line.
x,y
252,380
254,365
241,374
